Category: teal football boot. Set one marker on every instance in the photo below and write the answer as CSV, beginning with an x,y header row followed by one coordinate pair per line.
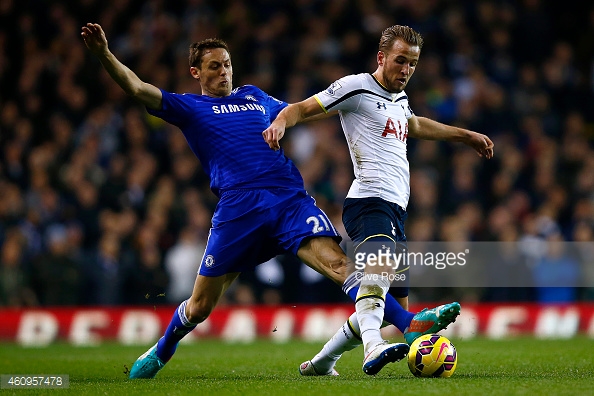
x,y
147,365
430,321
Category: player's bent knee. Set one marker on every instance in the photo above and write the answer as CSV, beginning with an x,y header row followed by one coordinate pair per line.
x,y
339,266
325,256
335,268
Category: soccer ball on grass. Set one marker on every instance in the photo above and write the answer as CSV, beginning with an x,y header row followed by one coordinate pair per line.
x,y
432,355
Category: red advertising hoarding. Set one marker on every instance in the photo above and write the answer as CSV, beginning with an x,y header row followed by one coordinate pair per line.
x,y
143,325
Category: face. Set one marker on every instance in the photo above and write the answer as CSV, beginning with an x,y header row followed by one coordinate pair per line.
x,y
396,66
215,73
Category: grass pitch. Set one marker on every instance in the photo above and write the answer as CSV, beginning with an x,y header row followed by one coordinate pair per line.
x,y
523,366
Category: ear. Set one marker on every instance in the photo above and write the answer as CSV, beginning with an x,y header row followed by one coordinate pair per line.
x,y
380,58
195,72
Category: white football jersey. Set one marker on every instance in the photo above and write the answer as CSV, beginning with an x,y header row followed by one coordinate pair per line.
x,y
375,123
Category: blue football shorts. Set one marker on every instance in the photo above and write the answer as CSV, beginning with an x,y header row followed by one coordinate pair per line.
x,y
376,225
250,227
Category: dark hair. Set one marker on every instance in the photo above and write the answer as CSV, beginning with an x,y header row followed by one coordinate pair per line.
x,y
197,50
393,33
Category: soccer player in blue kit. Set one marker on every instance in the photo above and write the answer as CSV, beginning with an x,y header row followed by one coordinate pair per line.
x,y
263,208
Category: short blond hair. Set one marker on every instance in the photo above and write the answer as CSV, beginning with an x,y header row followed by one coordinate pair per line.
x,y
405,33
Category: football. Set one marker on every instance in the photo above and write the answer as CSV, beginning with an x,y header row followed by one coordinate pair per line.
x,y
432,355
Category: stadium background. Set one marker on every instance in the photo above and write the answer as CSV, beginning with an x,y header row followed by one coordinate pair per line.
x,y
100,204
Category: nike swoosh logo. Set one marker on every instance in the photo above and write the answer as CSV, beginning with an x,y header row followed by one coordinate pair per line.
x,y
443,346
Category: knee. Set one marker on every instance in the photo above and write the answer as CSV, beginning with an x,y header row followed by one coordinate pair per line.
x,y
198,310
325,256
338,268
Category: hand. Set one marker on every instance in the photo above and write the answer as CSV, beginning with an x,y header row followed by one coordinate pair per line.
x,y
481,143
273,134
94,38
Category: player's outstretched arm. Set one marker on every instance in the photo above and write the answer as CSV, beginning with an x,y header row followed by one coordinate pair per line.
x,y
95,40
307,110
427,129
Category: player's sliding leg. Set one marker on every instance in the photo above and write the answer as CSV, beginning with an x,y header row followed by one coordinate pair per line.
x,y
430,321
207,291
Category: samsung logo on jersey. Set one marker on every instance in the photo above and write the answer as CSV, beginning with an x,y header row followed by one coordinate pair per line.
x,y
235,108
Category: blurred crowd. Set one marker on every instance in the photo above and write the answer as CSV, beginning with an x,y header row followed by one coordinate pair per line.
x,y
101,203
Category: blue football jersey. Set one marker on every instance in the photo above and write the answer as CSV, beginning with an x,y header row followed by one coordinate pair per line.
x,y
226,136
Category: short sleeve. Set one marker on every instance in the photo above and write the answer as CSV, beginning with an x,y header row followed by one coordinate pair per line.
x,y
176,109
341,94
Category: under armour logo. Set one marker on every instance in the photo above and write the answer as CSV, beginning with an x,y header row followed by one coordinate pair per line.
x,y
381,105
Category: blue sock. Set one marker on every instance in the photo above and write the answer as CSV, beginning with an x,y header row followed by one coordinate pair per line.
x,y
393,311
177,329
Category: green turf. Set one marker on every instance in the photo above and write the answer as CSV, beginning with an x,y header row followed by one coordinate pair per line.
x,y
485,367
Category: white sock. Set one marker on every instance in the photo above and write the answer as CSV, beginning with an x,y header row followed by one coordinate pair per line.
x,y
370,308
345,339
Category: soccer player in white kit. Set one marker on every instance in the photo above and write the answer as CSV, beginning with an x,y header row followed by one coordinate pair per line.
x,y
377,120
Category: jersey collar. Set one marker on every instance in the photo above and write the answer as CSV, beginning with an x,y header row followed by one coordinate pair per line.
x,y
379,83
392,94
